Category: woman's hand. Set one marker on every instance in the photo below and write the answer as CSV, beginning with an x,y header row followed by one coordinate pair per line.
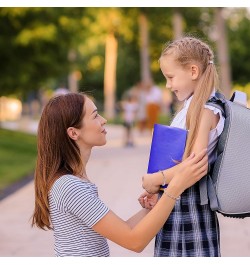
x,y
149,182
147,200
191,170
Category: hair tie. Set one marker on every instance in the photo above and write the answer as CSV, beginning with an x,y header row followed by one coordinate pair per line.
x,y
210,62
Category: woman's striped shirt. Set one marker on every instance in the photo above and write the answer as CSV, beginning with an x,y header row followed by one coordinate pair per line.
x,y
74,209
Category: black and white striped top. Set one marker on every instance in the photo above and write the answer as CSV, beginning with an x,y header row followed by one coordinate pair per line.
x,y
74,209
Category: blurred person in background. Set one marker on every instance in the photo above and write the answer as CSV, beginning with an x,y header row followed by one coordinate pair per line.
x,y
129,106
153,104
141,115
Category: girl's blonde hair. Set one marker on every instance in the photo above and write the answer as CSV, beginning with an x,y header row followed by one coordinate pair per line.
x,y
57,154
187,51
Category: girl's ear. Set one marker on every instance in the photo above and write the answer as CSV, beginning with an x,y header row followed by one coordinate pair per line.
x,y
195,71
73,133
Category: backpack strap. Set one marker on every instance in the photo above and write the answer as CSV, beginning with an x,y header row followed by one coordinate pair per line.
x,y
207,190
206,186
203,190
218,102
213,200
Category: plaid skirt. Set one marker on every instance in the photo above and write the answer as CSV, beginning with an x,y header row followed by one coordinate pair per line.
x,y
192,230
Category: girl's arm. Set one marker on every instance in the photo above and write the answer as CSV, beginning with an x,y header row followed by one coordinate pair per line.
x,y
152,182
138,237
208,122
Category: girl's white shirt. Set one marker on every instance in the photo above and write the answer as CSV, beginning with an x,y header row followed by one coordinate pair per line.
x,y
180,122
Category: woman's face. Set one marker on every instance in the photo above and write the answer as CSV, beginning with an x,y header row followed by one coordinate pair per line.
x,y
93,132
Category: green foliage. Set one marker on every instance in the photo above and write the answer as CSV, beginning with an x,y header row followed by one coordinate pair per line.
x,y
30,53
239,39
17,156
40,46
242,88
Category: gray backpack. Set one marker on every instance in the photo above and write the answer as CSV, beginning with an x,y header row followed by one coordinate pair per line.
x,y
227,185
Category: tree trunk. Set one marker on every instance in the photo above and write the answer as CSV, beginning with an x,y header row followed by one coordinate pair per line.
x,y
110,76
177,23
72,79
73,82
146,76
223,54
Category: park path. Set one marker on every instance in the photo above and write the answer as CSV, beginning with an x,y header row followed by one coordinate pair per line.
x,y
117,172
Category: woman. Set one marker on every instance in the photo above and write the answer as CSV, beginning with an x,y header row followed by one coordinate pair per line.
x,y
67,201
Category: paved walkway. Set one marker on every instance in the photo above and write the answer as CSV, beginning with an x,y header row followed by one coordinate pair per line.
x,y
117,172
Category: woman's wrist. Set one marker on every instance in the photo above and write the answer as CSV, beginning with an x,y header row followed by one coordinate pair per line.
x,y
166,193
173,191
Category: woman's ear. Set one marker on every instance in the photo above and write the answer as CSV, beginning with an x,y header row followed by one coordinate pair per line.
x,y
195,71
72,133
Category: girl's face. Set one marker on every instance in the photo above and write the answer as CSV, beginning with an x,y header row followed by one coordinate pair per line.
x,y
180,80
93,132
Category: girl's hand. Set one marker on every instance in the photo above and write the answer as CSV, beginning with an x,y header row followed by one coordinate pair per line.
x,y
191,170
147,200
149,183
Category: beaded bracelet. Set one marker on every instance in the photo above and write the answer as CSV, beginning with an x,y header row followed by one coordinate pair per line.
x,y
172,197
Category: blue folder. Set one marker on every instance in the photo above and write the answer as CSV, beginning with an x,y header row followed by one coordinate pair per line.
x,y
167,147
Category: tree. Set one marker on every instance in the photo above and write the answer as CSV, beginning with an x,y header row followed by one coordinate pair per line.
x,y
110,75
177,23
29,39
238,21
223,52
144,48
37,45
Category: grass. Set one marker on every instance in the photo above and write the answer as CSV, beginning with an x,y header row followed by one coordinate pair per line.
x,y
17,156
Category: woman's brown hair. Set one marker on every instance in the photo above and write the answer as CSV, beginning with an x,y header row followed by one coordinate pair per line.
x,y
187,51
57,153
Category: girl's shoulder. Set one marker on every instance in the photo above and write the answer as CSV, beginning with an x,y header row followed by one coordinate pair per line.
x,y
213,109
214,116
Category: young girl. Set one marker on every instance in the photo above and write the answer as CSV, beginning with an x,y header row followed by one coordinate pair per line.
x,y
67,201
192,229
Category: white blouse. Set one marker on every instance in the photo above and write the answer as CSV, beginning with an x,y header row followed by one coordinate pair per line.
x,y
180,122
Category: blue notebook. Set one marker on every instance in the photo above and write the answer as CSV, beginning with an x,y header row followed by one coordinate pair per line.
x,y
167,147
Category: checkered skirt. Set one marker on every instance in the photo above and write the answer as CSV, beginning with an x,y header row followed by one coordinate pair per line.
x,y
192,230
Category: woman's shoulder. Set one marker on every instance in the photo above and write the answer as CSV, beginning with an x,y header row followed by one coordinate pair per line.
x,y
69,182
69,187
68,178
